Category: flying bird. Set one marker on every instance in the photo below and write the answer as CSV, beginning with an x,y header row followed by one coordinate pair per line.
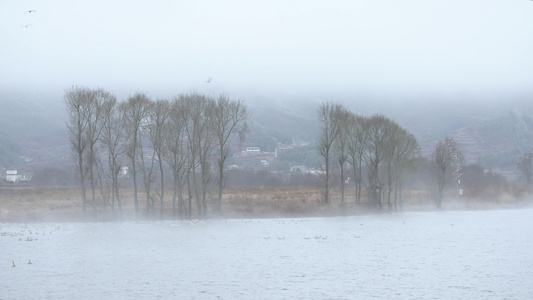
x,y
31,11
209,80
25,26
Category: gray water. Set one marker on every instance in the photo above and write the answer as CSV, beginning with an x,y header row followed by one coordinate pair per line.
x,y
430,255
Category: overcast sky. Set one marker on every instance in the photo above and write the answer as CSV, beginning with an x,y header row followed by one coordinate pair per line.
x,y
359,45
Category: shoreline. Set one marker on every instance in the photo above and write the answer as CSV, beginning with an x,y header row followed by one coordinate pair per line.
x,y
38,204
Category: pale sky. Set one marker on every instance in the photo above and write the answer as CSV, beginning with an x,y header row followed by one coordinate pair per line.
x,y
424,46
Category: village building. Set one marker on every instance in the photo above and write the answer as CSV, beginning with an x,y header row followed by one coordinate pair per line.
x,y
14,176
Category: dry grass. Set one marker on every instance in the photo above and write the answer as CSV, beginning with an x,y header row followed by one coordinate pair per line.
x,y
20,203
37,204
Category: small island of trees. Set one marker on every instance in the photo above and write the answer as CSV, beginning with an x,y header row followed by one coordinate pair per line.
x,y
184,158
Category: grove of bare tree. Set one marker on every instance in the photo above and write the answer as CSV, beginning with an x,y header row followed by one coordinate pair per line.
x,y
190,136
86,110
374,141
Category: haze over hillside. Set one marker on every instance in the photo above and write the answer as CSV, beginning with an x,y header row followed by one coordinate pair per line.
x,y
490,131
435,67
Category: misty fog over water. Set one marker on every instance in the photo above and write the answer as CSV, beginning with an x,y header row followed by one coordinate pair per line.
x,y
439,255
435,67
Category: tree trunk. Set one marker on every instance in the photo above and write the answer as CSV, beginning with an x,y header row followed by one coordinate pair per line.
x,y
135,196
190,195
441,190
359,180
82,184
197,196
401,200
181,205
174,194
396,195
389,192
389,203
220,187
118,197
162,186
93,189
355,180
342,185
204,189
326,195
147,191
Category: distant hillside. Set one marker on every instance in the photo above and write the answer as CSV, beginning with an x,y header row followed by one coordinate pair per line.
x,y
32,126
492,132
275,121
9,151
496,143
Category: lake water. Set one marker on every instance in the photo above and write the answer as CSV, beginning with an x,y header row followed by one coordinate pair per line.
x,y
429,255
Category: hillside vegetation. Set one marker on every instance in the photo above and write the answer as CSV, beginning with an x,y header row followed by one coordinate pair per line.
x,y
491,133
32,126
496,143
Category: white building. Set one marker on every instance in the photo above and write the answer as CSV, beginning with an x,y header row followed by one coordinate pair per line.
x,y
253,149
14,176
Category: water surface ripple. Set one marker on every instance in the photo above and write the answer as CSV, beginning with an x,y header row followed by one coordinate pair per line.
x,y
430,255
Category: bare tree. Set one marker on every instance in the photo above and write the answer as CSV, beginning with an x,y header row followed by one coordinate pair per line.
x,y
229,118
77,102
176,154
199,110
135,110
391,148
340,146
525,166
96,123
159,115
147,167
103,183
405,157
86,120
147,158
356,148
378,134
113,137
446,153
328,114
